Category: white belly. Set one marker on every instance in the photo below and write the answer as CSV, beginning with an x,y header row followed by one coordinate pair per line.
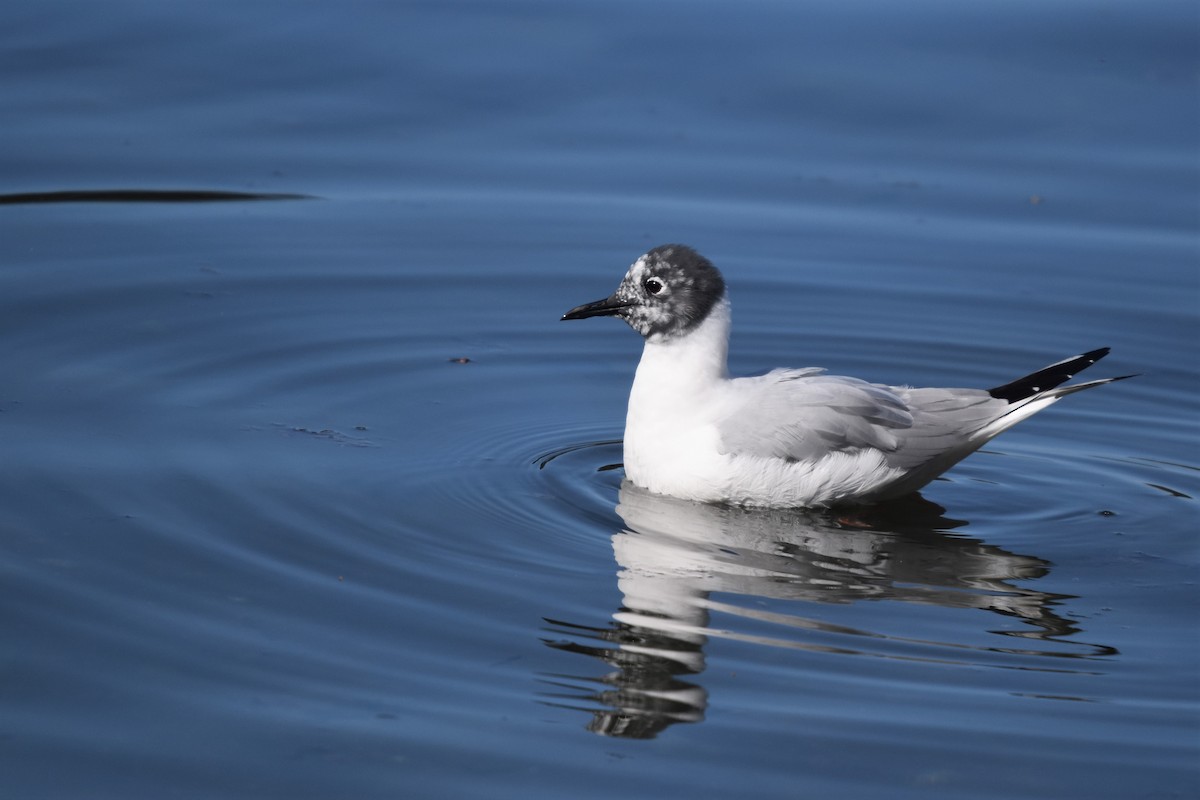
x,y
677,455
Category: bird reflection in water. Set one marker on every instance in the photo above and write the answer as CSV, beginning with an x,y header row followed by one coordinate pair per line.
x,y
676,557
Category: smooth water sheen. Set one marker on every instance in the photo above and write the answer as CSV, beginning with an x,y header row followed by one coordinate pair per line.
x,y
307,493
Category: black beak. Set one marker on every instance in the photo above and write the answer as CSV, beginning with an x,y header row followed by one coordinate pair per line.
x,y
601,308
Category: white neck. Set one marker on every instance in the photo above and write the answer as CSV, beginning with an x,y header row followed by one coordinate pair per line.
x,y
677,382
686,365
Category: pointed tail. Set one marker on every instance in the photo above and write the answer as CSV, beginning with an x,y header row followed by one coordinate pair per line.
x,y
1053,376
1026,396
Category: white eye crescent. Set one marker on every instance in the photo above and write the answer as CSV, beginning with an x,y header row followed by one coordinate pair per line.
x,y
653,285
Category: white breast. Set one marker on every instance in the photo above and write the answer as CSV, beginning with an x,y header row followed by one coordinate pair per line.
x,y
671,444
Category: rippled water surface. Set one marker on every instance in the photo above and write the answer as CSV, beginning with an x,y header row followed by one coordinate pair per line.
x,y
313,496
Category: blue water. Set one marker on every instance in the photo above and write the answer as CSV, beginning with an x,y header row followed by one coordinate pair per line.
x,y
316,497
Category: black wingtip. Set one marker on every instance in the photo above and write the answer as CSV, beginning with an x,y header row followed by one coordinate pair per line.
x,y
1048,377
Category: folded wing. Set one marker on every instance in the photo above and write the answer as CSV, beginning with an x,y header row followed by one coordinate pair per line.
x,y
805,415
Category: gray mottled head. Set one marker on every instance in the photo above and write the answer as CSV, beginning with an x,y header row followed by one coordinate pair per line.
x,y
666,293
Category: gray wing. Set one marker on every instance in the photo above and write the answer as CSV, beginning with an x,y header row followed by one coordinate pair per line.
x,y
946,422
804,414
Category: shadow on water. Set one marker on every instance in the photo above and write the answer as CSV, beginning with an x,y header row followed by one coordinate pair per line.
x,y
675,558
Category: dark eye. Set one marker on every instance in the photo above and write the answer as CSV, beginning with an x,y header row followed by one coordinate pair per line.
x,y
653,285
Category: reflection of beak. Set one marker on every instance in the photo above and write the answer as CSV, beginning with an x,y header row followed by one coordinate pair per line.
x,y
607,307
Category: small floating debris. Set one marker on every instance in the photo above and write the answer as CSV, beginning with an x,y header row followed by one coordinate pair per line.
x,y
460,360
332,435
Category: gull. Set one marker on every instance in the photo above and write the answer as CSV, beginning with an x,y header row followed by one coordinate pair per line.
x,y
793,437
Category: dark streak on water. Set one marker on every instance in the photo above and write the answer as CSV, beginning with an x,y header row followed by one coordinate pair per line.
x,y
144,196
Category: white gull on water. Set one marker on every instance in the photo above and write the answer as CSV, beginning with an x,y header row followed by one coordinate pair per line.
x,y
792,437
